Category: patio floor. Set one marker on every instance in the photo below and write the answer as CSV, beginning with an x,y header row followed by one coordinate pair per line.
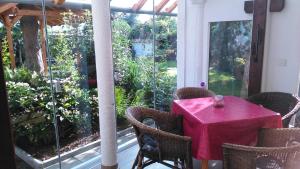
x,y
127,156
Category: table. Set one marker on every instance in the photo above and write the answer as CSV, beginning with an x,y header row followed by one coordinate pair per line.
x,y
237,122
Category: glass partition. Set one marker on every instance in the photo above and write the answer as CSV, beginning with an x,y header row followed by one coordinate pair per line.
x,y
30,89
72,69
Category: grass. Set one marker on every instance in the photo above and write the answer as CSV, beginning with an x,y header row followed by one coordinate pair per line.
x,y
169,66
224,83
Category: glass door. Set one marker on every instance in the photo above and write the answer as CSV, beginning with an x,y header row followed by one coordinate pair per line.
x,y
229,57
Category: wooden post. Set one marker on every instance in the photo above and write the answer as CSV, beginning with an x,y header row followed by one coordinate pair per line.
x,y
11,47
258,43
44,50
9,37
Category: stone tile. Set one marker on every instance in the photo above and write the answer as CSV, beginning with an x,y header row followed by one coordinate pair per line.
x,y
66,164
83,157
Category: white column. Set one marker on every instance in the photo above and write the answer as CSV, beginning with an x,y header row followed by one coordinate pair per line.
x,y
190,42
105,81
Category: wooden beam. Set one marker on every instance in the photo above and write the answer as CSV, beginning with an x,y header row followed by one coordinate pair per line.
x,y
58,2
15,20
44,50
258,44
160,6
248,7
7,153
137,6
277,5
171,8
7,6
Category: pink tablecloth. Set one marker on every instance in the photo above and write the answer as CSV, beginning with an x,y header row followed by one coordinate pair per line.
x,y
237,122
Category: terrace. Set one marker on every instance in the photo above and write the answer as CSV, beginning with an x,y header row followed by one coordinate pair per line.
x,y
73,67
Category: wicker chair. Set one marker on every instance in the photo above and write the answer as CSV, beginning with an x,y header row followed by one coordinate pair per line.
x,y
284,103
192,92
160,143
276,149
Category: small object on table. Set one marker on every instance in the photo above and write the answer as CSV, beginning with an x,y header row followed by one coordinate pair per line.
x,y
218,101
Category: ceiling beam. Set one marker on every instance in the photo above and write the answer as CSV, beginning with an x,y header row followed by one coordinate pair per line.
x,y
58,2
26,12
171,8
160,6
137,6
5,7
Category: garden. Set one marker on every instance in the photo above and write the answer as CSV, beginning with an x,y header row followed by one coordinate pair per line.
x,y
66,95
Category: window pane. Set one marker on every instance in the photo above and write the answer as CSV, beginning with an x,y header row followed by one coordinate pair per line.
x,y
229,55
133,62
165,60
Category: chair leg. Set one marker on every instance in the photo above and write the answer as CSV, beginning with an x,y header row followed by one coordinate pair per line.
x,y
135,161
175,164
140,162
182,163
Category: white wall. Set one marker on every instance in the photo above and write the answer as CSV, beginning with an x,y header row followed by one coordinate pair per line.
x,y
282,51
281,61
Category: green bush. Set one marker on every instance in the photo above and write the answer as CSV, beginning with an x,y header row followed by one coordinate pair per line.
x,y
121,102
31,107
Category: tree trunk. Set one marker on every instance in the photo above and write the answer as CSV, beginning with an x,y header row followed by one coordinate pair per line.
x,y
30,28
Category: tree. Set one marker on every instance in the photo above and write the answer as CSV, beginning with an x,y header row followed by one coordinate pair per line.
x,y
30,28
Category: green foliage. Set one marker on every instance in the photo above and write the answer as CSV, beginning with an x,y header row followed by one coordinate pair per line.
x,y
121,102
121,49
164,90
30,106
5,53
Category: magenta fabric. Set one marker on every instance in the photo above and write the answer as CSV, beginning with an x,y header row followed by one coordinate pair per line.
x,y
237,122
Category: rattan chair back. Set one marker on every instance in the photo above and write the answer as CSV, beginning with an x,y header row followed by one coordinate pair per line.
x,y
284,103
277,149
192,92
160,141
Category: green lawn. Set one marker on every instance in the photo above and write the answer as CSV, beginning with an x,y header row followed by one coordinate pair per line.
x,y
224,83
169,66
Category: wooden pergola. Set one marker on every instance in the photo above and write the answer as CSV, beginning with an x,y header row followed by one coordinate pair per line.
x,y
11,13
